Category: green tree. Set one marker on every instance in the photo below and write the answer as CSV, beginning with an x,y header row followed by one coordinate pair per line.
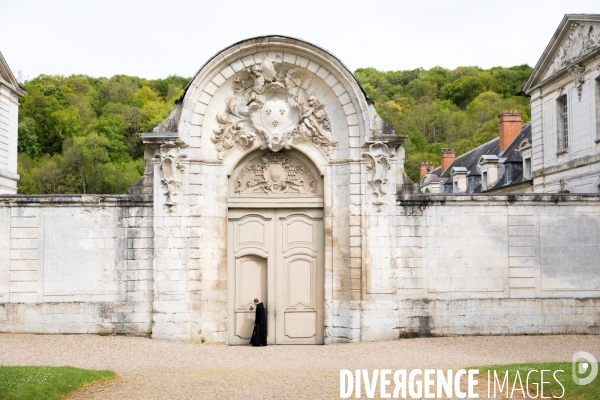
x,y
28,142
80,134
40,108
26,184
49,177
438,107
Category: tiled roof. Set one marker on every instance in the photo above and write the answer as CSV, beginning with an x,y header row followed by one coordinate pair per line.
x,y
470,159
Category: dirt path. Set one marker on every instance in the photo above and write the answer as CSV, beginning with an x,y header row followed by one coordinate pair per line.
x,y
156,369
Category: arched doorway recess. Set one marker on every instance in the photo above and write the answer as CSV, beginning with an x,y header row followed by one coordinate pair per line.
x,y
275,247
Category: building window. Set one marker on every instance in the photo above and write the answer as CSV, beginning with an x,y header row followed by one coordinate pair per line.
x,y
527,168
563,124
484,180
507,174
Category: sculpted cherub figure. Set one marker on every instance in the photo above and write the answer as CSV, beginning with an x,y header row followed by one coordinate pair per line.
x,y
262,74
310,122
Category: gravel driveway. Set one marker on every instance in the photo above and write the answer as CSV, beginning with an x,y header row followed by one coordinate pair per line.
x,y
157,369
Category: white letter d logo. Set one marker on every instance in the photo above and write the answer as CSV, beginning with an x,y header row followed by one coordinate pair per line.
x,y
580,368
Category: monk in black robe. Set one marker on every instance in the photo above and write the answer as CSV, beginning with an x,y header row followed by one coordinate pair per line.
x,y
259,334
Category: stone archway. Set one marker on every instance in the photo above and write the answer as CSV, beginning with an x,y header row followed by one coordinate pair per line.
x,y
276,248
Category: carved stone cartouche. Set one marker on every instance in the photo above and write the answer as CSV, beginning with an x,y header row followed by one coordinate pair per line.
x,y
171,167
379,165
271,107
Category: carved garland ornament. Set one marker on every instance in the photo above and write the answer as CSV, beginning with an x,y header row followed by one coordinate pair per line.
x,y
379,157
171,167
275,173
581,40
271,108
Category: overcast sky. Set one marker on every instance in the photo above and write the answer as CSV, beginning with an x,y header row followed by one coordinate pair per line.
x,y
154,39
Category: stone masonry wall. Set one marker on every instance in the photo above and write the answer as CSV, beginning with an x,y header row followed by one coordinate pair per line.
x,y
76,264
426,317
461,264
485,264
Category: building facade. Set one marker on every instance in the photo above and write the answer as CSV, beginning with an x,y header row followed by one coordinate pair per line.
x,y
10,91
565,109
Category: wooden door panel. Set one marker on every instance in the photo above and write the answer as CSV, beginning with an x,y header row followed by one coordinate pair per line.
x,y
250,242
251,282
277,256
244,323
252,231
299,232
300,277
300,325
251,279
300,273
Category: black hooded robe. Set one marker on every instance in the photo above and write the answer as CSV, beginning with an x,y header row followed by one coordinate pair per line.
x,y
259,334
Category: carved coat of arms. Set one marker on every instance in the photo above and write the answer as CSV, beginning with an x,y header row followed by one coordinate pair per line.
x,y
275,173
271,107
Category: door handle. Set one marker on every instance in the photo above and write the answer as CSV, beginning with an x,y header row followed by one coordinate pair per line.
x,y
251,308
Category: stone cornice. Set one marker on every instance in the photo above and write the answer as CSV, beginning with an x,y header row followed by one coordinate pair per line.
x,y
74,200
498,199
12,81
578,162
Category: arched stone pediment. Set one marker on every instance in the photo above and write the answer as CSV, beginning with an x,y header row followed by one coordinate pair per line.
x,y
272,93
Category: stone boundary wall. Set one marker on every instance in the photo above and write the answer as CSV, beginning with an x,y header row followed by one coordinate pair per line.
x,y
486,264
76,264
460,265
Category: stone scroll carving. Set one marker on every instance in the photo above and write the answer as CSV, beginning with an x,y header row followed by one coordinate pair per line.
x,y
275,173
272,108
379,166
581,40
577,74
172,168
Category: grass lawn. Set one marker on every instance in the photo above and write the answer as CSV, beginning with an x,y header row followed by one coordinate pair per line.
x,y
552,387
45,382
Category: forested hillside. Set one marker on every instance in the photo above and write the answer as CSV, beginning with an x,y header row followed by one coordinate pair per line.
x,y
79,134
439,108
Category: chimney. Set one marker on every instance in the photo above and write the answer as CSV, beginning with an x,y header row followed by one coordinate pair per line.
x,y
510,126
423,169
426,167
448,156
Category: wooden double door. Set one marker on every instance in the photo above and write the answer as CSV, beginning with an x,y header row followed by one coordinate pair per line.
x,y
276,255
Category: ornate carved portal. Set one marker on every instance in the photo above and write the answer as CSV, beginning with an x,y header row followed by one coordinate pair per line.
x,y
275,173
272,108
